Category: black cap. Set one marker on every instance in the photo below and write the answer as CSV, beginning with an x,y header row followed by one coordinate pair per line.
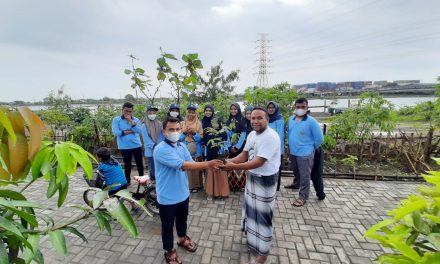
x,y
174,106
150,107
192,107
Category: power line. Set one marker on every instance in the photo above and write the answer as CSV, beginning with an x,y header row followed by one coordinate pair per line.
x,y
263,60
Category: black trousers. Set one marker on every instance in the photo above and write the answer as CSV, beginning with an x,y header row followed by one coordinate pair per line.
x,y
279,173
168,214
127,154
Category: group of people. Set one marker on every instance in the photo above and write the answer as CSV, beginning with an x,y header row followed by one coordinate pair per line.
x,y
178,149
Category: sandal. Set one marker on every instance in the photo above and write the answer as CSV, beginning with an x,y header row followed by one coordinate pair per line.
x,y
188,244
171,257
299,202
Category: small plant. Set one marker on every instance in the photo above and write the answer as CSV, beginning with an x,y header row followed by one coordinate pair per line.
x,y
351,161
414,231
218,141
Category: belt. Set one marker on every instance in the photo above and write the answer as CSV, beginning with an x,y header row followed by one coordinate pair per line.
x,y
259,175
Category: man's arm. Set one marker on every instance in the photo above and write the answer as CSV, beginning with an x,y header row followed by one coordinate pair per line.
x,y
253,164
242,157
212,164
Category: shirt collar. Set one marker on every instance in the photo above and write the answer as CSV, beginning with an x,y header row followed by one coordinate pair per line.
x,y
174,145
304,119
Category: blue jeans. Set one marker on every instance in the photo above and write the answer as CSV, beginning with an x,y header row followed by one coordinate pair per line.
x,y
151,168
302,168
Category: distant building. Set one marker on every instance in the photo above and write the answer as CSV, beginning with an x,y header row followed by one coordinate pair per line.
x,y
405,82
380,83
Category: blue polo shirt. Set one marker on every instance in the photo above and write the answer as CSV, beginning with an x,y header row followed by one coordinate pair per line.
x,y
303,136
171,180
113,173
131,140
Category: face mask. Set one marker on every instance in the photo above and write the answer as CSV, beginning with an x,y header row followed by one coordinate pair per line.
x,y
300,112
152,117
174,114
173,137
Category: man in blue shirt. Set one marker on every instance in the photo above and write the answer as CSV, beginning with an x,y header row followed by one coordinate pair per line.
x,y
304,137
171,160
127,128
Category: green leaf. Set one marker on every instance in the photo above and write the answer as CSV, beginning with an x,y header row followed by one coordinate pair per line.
x,y
8,225
3,254
193,56
127,71
118,210
408,208
52,189
125,194
4,121
34,240
63,190
12,195
29,218
102,221
140,70
76,232
82,157
185,58
63,156
58,241
161,76
434,239
169,56
98,198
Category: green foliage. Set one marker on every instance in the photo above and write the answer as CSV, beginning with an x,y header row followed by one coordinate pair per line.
x,y
29,159
357,123
217,84
281,93
328,143
425,112
351,161
141,82
414,231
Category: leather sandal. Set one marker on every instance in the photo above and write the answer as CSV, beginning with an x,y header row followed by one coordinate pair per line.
x,y
171,257
188,244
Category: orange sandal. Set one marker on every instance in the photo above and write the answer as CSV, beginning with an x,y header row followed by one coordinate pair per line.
x,y
188,244
171,257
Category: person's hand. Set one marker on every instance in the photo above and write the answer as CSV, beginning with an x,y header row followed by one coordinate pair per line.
x,y
126,132
128,118
215,164
142,179
228,166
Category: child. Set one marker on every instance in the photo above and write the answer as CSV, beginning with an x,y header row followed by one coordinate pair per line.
x,y
111,170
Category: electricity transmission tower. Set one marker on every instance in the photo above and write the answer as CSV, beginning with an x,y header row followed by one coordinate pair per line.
x,y
263,61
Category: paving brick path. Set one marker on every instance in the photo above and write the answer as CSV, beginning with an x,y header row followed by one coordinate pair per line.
x,y
328,231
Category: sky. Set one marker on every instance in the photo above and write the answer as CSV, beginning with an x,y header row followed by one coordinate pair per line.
x,y
83,45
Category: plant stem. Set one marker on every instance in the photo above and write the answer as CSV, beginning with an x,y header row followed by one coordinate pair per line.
x,y
26,186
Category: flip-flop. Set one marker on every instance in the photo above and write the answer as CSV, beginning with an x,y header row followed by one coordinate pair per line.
x,y
299,202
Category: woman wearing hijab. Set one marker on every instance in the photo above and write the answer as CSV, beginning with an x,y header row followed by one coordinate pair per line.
x,y
246,123
216,182
236,134
192,137
174,111
276,122
152,135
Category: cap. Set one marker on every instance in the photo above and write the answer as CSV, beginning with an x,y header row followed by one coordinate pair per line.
x,y
174,106
151,107
192,107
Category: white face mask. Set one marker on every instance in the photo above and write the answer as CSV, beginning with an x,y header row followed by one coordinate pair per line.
x,y
174,114
152,117
173,136
300,112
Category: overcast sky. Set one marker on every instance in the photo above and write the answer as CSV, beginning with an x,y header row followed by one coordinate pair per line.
x,y
84,44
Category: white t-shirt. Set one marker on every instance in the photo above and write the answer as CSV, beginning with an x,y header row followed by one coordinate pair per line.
x,y
265,145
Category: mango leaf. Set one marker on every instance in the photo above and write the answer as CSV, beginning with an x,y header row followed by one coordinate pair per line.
x,y
102,221
17,122
433,218
63,189
34,240
76,232
63,156
83,159
98,198
394,259
4,175
37,163
12,195
36,129
118,210
406,250
431,258
434,239
408,208
18,153
22,214
4,121
125,194
58,241
3,254
8,225
52,189
4,155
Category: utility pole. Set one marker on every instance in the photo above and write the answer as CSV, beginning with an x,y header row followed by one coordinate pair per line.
x,y
263,61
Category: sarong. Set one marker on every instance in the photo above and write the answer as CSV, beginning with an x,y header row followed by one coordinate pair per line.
x,y
257,212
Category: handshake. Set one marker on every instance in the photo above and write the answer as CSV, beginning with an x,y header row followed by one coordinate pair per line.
x,y
217,164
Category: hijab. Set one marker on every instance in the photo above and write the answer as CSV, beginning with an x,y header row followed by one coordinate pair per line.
x,y
237,119
276,115
154,127
195,125
246,124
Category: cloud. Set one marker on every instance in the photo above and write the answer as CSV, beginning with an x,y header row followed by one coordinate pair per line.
x,y
236,7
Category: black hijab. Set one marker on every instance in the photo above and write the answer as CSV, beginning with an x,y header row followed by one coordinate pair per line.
x,y
237,119
207,121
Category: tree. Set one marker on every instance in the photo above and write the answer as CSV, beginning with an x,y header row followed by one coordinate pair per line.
x,y
21,226
357,124
141,81
281,93
129,97
217,84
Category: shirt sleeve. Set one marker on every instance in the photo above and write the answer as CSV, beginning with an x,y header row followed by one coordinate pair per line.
x,y
187,155
136,128
148,143
247,146
318,137
115,128
168,158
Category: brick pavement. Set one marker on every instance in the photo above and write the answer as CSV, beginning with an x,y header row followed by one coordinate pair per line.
x,y
328,231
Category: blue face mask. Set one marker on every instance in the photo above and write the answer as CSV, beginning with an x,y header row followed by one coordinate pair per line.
x,y
173,136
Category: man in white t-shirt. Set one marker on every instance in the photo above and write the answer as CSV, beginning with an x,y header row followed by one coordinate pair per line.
x,y
261,157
